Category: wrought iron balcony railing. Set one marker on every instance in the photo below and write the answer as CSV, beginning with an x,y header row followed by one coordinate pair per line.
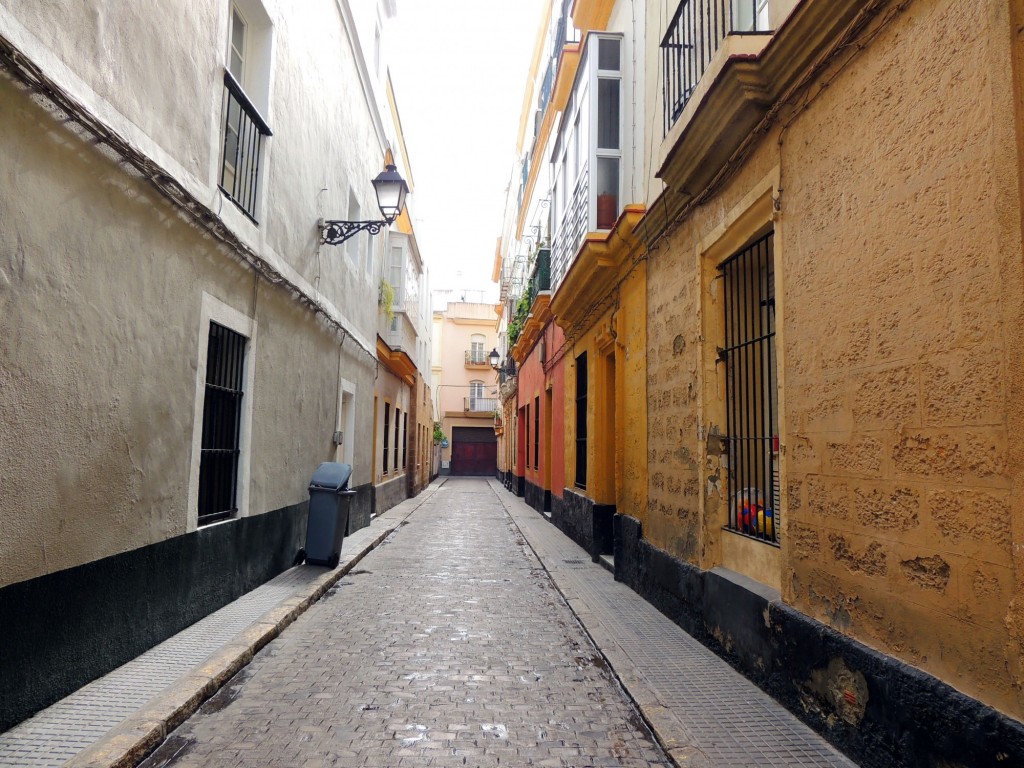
x,y
541,278
481,404
694,35
244,130
569,232
477,357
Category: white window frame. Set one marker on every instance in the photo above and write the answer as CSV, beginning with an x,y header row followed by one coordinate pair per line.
x,y
595,153
257,84
476,393
481,340
214,310
243,75
397,242
345,452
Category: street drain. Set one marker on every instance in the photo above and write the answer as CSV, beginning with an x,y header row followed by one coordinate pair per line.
x,y
574,562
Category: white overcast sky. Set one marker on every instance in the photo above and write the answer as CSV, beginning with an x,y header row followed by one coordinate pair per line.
x,y
459,69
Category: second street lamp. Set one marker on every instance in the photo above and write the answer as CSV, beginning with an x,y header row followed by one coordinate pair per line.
x,y
391,190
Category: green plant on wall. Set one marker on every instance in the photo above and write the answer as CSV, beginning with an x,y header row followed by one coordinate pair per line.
x,y
438,432
515,325
386,299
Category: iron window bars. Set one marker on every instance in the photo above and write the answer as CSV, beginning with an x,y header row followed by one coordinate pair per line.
x,y
536,432
244,130
387,423
222,418
752,391
398,413
581,421
693,37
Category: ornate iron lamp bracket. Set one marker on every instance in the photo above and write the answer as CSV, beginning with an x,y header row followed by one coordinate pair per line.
x,y
337,232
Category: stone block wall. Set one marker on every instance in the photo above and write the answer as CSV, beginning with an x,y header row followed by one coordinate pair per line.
x,y
899,302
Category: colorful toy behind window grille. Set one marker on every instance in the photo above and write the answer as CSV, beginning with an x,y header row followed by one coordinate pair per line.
x,y
751,516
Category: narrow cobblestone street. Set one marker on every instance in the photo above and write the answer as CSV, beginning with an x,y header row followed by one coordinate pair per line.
x,y
447,645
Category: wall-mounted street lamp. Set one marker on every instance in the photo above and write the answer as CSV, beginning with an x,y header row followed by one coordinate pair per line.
x,y
391,190
493,358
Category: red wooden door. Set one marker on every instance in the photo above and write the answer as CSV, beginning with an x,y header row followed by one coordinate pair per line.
x,y
474,451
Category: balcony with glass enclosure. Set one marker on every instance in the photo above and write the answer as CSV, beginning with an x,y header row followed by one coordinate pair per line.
x,y
588,158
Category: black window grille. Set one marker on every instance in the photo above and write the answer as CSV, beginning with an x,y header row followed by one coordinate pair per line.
x,y
387,433
398,423
244,130
581,421
222,420
536,432
526,421
405,433
693,37
752,391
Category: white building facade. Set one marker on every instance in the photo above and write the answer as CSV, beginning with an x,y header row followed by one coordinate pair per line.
x,y
179,348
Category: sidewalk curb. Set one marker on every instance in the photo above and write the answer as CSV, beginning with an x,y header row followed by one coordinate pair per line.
x,y
670,734
129,743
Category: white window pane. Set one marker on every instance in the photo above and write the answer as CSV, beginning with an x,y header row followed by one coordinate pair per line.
x,y
607,113
237,47
607,182
608,54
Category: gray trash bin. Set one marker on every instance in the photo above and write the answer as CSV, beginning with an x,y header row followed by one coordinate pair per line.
x,y
329,501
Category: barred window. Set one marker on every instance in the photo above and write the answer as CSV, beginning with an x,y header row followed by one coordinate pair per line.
x,y
222,419
752,391
581,421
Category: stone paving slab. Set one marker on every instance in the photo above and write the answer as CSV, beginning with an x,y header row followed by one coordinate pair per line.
x,y
449,645
118,718
700,710
703,711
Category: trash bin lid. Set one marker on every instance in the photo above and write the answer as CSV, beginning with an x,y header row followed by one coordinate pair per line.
x,y
331,476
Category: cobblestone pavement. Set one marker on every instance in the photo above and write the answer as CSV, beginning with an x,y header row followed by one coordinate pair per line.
x,y
448,645
705,713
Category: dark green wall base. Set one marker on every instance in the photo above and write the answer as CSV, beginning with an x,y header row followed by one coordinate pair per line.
x,y
362,508
881,712
588,524
65,629
389,493
534,496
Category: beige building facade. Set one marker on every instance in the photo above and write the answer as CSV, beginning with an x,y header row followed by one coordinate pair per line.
x,y
834,309
466,388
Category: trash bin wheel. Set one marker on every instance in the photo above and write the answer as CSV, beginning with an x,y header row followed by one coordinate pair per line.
x,y
300,557
333,562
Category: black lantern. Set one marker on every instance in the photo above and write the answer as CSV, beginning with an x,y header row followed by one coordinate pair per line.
x,y
493,358
391,190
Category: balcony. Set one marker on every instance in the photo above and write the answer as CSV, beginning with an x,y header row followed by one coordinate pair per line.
x,y
571,229
720,84
481,405
694,36
590,170
540,280
244,131
477,358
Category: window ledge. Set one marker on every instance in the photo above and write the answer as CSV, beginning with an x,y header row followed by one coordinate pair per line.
x,y
598,264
